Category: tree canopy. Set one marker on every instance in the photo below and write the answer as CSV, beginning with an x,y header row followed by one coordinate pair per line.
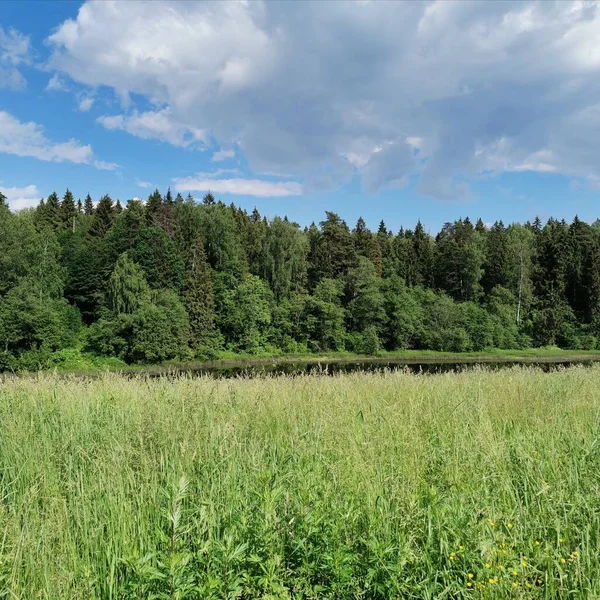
x,y
175,278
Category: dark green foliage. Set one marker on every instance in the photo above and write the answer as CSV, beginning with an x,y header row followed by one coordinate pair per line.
x,y
153,206
68,211
158,256
103,216
171,278
459,260
198,297
88,206
139,325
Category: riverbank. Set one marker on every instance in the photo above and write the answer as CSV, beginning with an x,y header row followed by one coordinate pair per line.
x,y
82,365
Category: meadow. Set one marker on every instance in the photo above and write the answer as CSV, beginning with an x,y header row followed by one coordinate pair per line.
x,y
477,484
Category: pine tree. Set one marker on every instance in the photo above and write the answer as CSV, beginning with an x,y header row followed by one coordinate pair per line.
x,y
103,216
68,212
208,199
79,206
198,296
169,197
3,200
88,206
118,208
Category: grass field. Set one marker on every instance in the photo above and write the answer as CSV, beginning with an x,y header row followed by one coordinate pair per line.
x,y
476,484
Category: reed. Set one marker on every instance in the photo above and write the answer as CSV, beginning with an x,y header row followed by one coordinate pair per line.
x,y
477,484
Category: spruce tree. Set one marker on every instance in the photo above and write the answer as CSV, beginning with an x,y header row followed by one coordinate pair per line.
x,y
88,206
52,211
68,211
153,206
3,200
118,207
103,216
198,296
79,206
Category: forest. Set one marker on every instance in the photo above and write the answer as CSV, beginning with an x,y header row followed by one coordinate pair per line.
x,y
173,278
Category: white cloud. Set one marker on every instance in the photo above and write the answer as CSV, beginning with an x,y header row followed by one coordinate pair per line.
x,y
56,84
441,90
102,165
85,103
14,50
24,197
143,184
239,186
29,139
221,155
158,125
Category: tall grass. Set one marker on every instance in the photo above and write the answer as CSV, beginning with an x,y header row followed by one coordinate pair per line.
x,y
476,484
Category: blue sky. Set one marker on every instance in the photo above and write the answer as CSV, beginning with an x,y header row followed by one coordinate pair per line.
x,y
401,111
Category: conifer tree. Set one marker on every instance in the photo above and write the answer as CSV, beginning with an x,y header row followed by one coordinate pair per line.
x,y
52,211
118,207
103,216
153,206
79,206
68,211
3,200
198,295
88,206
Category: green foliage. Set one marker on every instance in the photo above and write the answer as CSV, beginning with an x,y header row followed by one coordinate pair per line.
x,y
140,325
198,297
320,289
247,315
324,320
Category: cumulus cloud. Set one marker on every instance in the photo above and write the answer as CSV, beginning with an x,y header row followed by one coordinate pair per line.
x,y
24,197
238,186
29,139
444,91
143,184
14,50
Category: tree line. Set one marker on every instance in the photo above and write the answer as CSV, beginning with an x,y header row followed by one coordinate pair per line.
x,y
172,278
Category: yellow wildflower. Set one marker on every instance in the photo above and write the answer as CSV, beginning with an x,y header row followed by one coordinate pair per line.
x,y
469,584
563,561
460,547
509,525
492,580
488,566
514,573
470,575
501,567
560,540
491,523
515,584
524,563
537,543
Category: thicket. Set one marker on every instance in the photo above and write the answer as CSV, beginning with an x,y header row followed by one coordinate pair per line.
x,y
172,278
